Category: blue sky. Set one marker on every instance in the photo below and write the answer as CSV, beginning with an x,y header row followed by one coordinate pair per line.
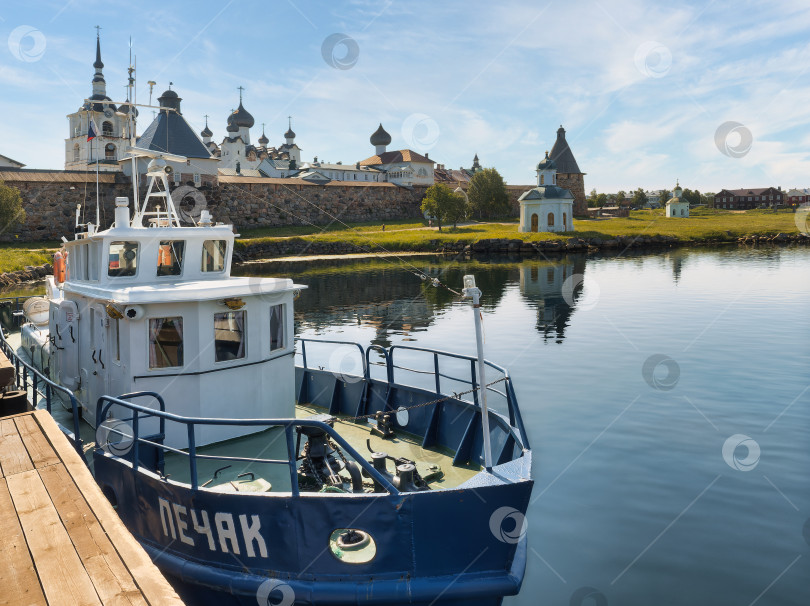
x,y
643,88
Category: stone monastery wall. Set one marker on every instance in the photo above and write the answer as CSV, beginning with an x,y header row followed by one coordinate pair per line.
x,y
50,199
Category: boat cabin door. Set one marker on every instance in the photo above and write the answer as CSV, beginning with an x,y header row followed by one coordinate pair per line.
x,y
99,357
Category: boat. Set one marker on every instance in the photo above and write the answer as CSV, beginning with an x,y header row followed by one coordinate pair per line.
x,y
246,468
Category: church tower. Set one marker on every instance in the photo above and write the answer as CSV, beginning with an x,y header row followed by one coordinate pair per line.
x,y
568,174
111,127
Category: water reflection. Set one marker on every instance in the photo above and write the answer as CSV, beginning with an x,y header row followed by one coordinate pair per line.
x,y
394,301
553,289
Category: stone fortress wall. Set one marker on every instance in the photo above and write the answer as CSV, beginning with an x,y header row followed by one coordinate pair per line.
x,y
50,199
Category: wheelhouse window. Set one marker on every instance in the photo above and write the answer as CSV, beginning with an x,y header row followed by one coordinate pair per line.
x,y
170,257
213,257
229,336
276,327
165,342
122,259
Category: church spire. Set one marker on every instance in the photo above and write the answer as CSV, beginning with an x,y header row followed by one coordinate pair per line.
x,y
99,84
98,64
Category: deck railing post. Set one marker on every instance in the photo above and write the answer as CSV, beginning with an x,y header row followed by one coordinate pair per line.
x,y
291,455
304,353
192,456
474,382
35,394
135,442
436,372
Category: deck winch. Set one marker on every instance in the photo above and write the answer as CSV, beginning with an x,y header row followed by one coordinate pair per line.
x,y
322,461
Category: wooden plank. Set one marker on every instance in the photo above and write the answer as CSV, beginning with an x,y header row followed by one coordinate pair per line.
x,y
13,456
154,587
112,580
39,449
63,577
18,580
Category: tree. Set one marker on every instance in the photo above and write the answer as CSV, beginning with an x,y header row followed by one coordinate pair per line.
x,y
639,198
664,198
601,200
11,209
443,204
487,194
593,198
620,196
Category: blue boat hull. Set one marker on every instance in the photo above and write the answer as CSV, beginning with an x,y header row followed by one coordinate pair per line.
x,y
463,545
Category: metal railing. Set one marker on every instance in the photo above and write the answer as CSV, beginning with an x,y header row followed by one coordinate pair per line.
x,y
11,316
508,393
23,370
141,413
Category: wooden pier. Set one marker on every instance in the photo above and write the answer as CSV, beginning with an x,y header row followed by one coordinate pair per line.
x,y
61,542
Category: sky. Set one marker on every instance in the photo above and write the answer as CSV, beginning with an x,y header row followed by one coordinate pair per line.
x,y
713,93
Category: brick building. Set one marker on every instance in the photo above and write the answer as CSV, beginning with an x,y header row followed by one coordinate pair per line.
x,y
744,199
568,174
796,197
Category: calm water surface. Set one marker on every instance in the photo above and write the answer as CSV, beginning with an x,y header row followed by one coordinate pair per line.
x,y
633,386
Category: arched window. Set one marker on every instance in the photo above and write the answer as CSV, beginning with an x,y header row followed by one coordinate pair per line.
x,y
76,152
109,151
534,222
551,219
542,179
107,128
565,221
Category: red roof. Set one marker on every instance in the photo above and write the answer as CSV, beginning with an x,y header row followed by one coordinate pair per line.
x,y
392,157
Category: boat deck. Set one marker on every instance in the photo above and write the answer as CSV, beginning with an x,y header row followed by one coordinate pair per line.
x,y
62,541
232,476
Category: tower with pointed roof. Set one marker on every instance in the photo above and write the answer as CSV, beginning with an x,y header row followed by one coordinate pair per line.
x,y
111,125
569,176
170,133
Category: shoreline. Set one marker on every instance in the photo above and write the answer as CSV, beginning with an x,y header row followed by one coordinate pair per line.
x,y
294,250
290,250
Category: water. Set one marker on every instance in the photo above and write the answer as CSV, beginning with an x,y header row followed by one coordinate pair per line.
x,y
634,502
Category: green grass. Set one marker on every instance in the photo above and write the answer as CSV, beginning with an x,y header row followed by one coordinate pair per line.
x,y
305,230
704,225
17,256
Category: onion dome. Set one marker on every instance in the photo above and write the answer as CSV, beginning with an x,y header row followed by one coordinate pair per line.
x,y
206,132
242,117
263,140
126,108
232,128
380,137
289,134
546,164
95,105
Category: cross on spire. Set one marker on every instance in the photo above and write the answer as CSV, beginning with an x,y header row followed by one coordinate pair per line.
x,y
240,88
206,120
98,31
289,121
262,127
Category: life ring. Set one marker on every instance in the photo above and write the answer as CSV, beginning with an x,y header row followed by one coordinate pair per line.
x,y
59,267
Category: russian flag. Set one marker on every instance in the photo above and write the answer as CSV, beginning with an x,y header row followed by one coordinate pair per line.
x,y
92,131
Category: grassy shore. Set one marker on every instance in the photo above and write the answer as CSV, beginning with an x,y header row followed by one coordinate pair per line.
x,y
705,225
17,256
